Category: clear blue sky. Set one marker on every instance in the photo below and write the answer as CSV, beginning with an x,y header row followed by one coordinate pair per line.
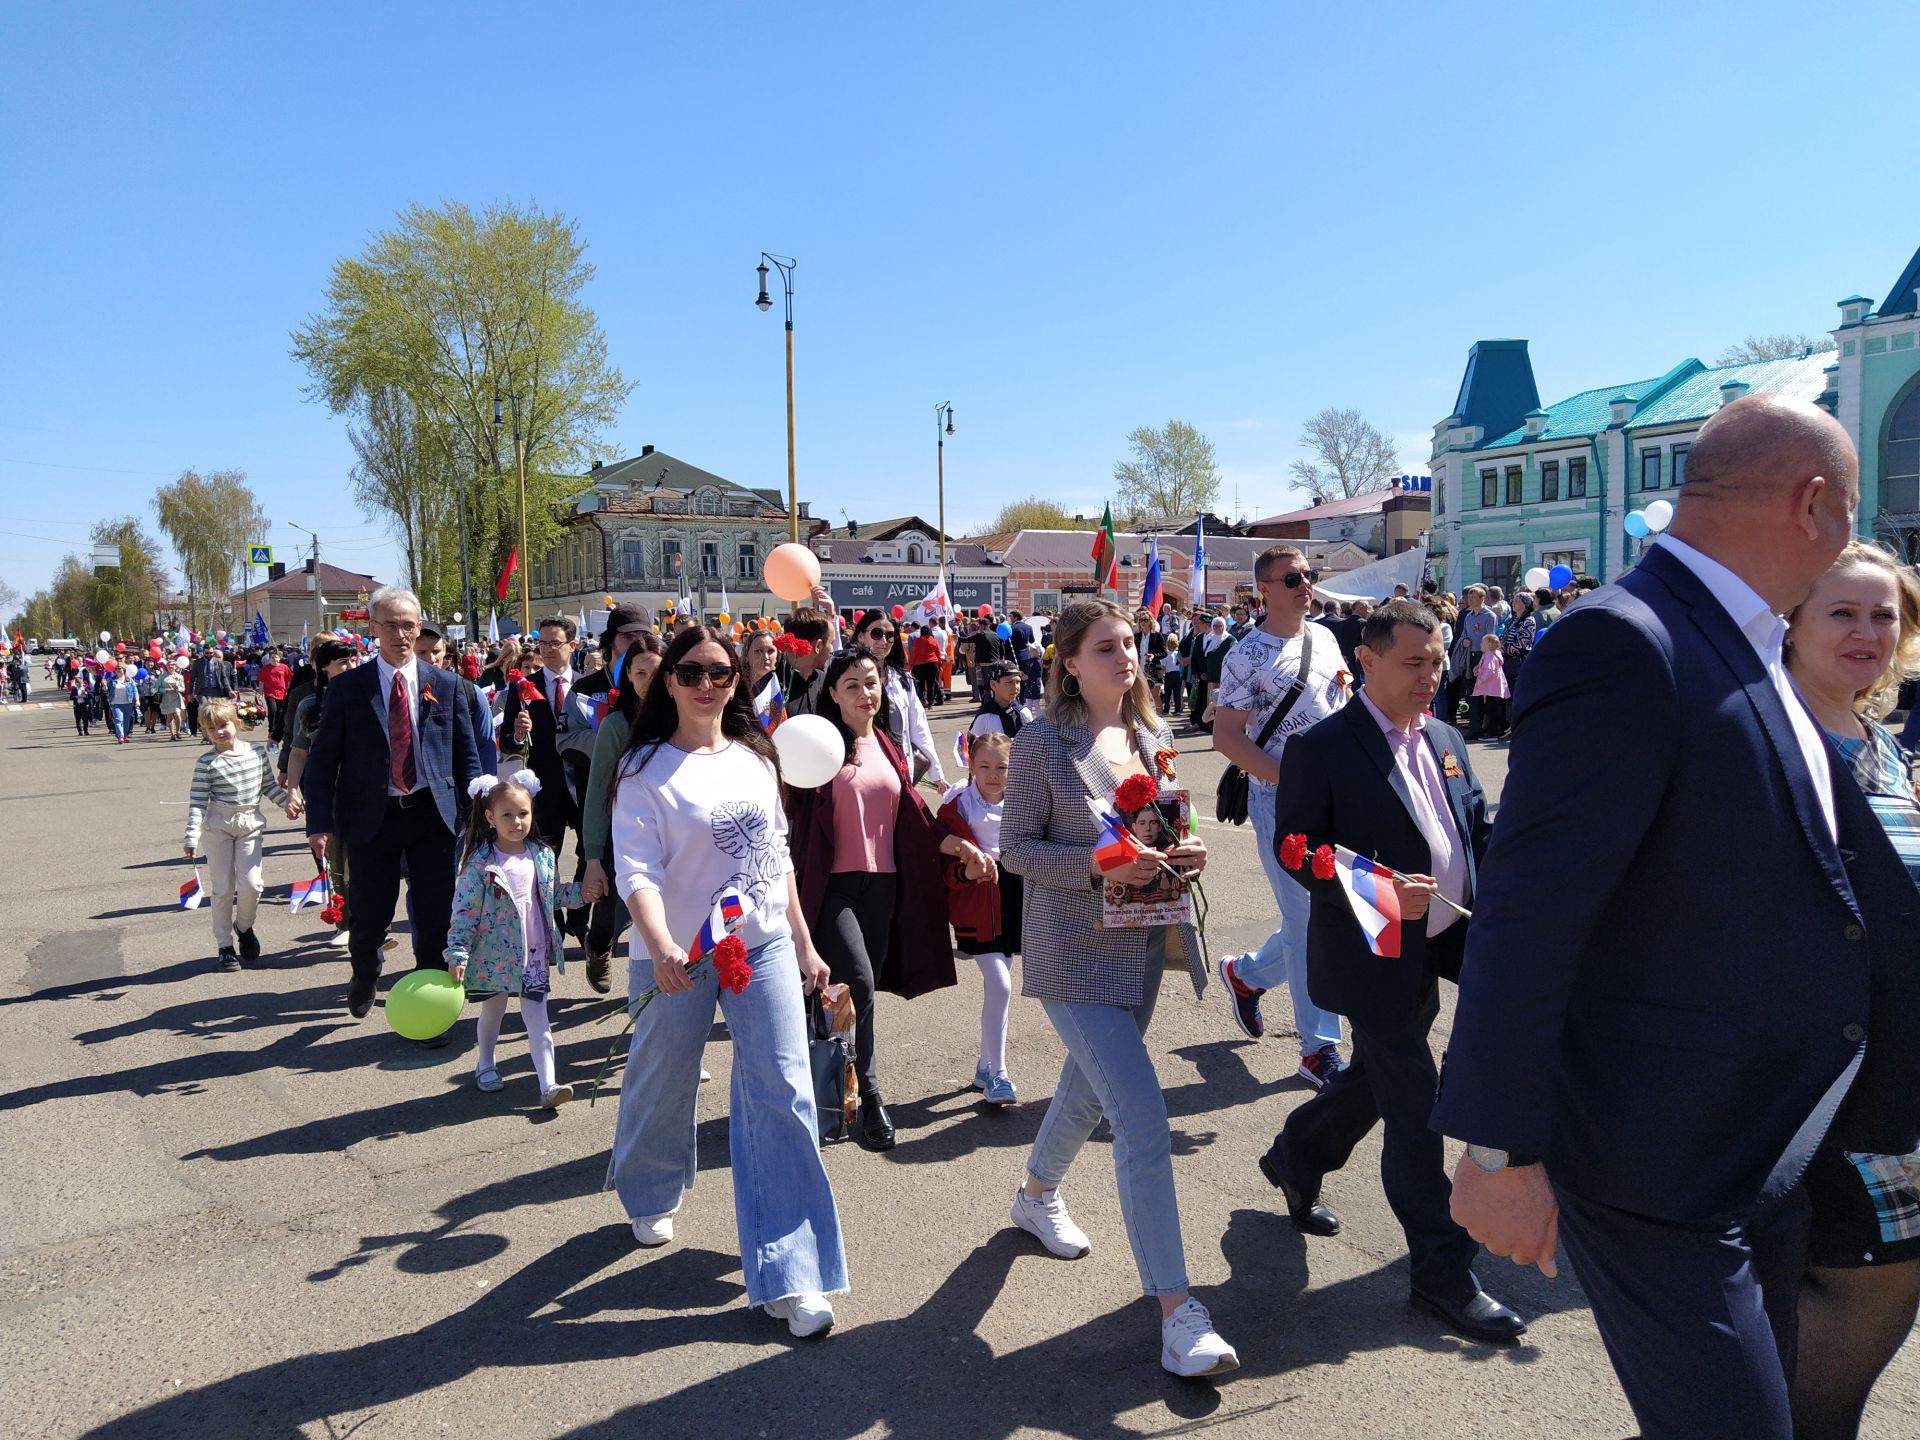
x,y
1067,219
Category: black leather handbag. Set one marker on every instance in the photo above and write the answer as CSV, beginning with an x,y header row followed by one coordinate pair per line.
x,y
830,1057
1230,795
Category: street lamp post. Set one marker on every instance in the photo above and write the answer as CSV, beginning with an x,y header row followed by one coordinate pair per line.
x,y
942,427
520,467
464,488
765,302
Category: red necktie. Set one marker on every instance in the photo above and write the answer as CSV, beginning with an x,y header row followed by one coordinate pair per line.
x,y
400,737
559,702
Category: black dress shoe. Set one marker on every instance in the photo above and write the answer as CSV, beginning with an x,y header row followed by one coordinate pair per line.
x,y
249,945
599,968
359,1000
1309,1216
876,1127
1480,1318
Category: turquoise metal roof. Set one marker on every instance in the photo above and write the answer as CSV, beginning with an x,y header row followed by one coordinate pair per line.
x,y
1584,414
1698,396
1497,388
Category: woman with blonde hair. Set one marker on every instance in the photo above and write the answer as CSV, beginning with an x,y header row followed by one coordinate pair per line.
x,y
1098,983
1849,645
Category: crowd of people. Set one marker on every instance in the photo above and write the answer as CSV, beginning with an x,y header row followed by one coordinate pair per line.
x,y
1703,1091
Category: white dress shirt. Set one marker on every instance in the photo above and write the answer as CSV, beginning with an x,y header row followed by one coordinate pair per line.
x,y
1432,812
410,673
1767,633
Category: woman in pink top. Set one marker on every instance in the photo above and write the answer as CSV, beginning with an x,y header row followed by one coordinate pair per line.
x,y
858,842
1490,685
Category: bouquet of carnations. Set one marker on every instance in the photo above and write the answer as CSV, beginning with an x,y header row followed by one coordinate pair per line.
x,y
718,944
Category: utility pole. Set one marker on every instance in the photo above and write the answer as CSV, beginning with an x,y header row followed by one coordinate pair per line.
x,y
466,571
942,427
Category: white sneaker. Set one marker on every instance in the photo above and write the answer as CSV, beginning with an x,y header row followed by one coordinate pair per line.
x,y
805,1314
340,939
556,1097
1189,1345
1047,1219
653,1231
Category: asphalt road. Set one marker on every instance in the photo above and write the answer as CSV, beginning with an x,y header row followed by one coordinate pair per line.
x,y
238,1213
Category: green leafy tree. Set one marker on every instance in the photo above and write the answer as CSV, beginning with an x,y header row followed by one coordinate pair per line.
x,y
1032,513
122,598
72,597
1172,473
1773,347
1350,456
210,520
404,475
452,308
39,618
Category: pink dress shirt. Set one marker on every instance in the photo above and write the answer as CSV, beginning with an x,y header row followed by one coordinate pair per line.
x,y
1432,811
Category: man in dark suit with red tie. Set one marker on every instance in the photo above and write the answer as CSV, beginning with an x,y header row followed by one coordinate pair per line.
x,y
1385,780
388,772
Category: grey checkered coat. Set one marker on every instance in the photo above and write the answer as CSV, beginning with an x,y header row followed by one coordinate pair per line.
x,y
1048,835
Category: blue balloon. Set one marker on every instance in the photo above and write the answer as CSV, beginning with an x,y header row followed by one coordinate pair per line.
x,y
1559,577
1636,524
141,673
1003,630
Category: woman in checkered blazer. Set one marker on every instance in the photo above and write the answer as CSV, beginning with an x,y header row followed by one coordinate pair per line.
x,y
1099,985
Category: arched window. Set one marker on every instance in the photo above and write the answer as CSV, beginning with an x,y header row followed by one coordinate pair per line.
x,y
709,502
913,555
1900,457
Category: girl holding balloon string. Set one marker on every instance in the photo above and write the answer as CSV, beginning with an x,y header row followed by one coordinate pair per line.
x,y
506,927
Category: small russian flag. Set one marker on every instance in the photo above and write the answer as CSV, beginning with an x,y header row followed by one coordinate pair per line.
x,y
963,749
729,914
1117,846
771,706
1376,904
308,892
190,893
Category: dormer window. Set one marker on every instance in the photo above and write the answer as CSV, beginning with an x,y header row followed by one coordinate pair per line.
x,y
709,502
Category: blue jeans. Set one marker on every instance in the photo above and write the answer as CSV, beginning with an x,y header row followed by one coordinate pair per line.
x,y
1109,1072
790,1240
1283,959
122,721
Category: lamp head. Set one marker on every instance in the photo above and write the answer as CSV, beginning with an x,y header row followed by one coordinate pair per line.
x,y
764,300
949,419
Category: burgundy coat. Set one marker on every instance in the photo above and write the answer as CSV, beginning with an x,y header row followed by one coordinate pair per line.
x,y
919,954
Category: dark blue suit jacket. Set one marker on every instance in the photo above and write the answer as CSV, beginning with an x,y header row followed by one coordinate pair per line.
x,y
1339,785
1673,968
345,782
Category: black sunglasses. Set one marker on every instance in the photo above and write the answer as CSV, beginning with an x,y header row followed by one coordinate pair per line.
x,y
878,632
1293,578
690,675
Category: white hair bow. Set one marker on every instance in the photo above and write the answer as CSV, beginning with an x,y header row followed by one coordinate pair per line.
x,y
484,785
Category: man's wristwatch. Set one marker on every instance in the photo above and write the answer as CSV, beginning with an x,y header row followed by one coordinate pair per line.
x,y
1490,1159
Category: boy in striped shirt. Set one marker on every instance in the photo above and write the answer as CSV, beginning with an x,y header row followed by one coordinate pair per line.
x,y
223,809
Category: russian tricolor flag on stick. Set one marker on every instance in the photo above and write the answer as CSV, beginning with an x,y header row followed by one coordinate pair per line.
x,y
308,892
729,914
963,748
1376,904
190,893
1117,846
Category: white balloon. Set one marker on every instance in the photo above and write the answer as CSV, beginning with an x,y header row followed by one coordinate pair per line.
x,y
102,656
1537,578
811,751
1659,515
106,637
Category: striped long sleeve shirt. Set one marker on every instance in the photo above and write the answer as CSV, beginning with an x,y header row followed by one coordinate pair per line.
x,y
233,777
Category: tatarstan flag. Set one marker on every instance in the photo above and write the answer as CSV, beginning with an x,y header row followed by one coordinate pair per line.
x,y
1106,553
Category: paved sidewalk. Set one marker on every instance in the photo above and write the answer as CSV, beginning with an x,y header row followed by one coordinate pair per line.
x,y
237,1213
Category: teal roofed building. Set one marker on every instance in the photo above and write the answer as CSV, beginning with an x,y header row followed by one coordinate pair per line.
x,y
1518,485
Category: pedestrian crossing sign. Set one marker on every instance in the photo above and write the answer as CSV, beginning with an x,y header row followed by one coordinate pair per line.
x,y
260,555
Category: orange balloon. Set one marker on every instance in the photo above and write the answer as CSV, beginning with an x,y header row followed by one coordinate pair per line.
x,y
792,571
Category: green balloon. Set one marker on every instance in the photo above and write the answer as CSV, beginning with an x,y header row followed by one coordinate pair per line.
x,y
425,1004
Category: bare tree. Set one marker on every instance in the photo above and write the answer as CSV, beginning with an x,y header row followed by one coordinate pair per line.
x,y
1773,347
1351,457
1171,474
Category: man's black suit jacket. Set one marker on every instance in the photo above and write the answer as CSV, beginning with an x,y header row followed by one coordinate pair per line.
x,y
1339,786
345,782
1674,970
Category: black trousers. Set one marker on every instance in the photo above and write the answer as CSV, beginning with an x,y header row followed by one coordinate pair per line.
x,y
1675,1304
852,936
1391,1081
276,719
412,835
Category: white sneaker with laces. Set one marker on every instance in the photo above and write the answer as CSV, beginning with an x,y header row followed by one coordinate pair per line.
x,y
1190,1346
1046,1218
340,939
805,1314
653,1231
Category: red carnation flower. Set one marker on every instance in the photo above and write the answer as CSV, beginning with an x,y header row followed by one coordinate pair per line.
x,y
515,676
1293,851
1136,792
791,645
529,692
730,963
330,913
1323,863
